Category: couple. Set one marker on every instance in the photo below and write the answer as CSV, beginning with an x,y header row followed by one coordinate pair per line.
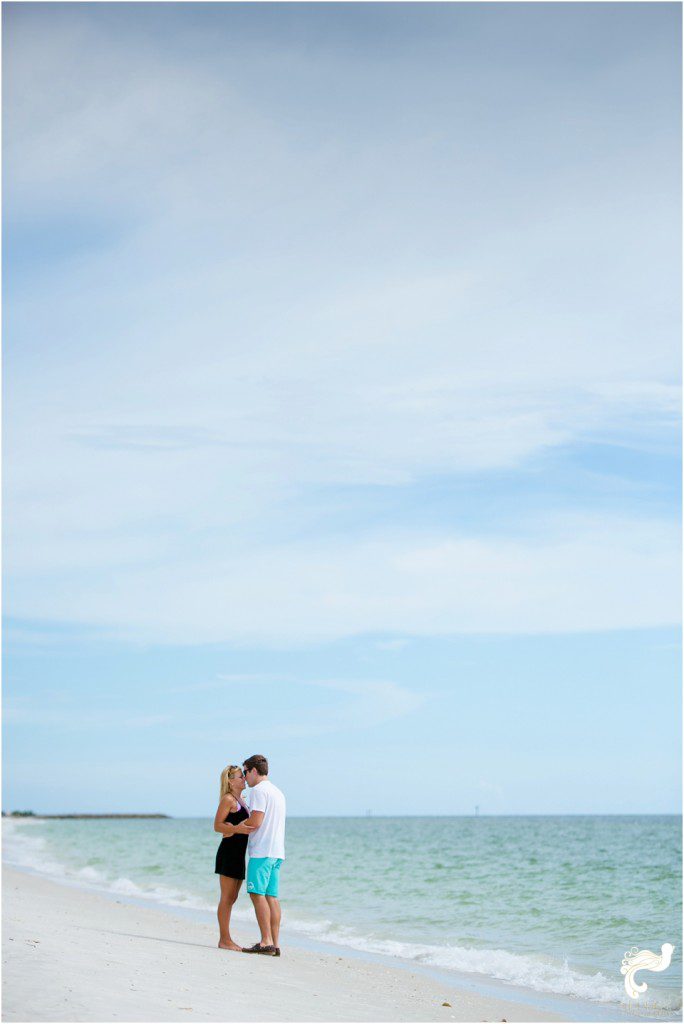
x,y
260,830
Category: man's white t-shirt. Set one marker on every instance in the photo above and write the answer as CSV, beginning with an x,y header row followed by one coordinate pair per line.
x,y
269,838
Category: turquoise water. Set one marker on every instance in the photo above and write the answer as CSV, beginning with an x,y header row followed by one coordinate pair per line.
x,y
550,903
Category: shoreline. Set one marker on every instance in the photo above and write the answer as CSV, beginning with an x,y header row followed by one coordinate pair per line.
x,y
569,1008
85,957
56,949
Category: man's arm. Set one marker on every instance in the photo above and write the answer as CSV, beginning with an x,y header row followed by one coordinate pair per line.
x,y
250,824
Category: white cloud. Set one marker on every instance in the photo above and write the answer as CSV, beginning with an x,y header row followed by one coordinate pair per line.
x,y
79,718
356,705
280,306
369,703
575,575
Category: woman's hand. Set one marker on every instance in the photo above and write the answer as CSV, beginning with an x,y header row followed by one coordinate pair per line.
x,y
243,829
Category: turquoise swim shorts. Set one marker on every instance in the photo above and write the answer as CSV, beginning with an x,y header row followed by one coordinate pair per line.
x,y
263,875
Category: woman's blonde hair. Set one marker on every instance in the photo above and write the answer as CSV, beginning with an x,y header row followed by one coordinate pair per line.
x,y
226,775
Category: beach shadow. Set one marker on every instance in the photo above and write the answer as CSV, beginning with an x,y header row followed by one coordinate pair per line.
x,y
152,938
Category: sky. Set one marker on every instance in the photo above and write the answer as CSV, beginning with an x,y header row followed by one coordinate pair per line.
x,y
342,405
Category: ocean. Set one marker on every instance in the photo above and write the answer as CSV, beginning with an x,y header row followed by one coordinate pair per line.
x,y
548,903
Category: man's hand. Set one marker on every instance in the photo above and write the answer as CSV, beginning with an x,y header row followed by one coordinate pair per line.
x,y
243,829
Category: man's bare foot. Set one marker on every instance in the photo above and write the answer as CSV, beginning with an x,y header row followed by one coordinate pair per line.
x,y
230,945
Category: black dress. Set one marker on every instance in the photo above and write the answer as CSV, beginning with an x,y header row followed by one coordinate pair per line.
x,y
230,856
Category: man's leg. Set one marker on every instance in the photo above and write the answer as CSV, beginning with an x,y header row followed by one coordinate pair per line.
x,y
274,907
263,916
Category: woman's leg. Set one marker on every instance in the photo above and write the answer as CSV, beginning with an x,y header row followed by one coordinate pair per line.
x,y
230,887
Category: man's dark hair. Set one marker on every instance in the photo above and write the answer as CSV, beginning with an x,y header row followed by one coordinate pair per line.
x,y
257,761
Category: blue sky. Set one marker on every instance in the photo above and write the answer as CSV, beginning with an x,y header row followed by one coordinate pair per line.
x,y
342,394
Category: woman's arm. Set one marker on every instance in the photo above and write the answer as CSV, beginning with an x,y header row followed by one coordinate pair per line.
x,y
224,808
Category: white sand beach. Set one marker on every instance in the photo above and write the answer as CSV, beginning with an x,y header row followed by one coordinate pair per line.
x,y
76,955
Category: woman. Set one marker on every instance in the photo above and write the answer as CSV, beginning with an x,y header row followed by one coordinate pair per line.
x,y
230,856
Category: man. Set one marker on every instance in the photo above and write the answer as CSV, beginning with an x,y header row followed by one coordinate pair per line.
x,y
266,850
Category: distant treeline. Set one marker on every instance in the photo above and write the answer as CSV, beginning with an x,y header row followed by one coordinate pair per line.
x,y
32,814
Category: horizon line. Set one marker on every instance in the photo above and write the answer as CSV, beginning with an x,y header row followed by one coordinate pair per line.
x,y
160,815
